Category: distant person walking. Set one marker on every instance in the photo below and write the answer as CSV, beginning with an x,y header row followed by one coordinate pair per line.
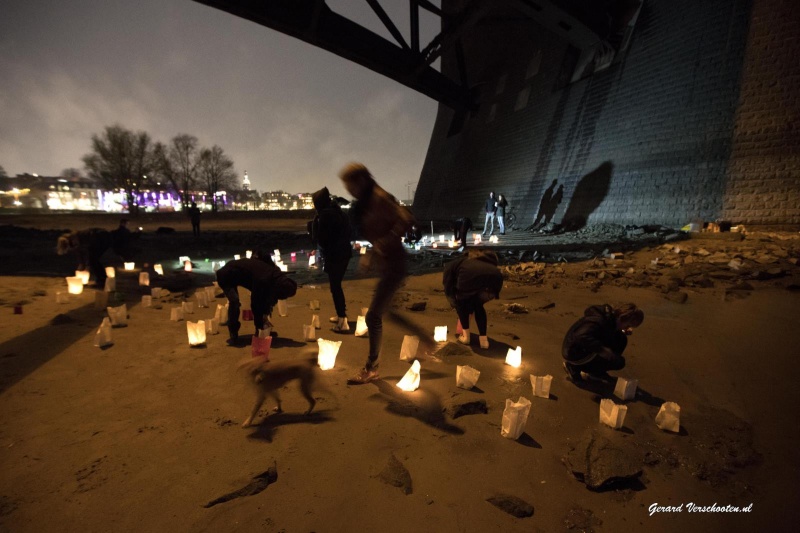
x,y
594,344
500,213
470,282
382,221
331,232
194,216
490,207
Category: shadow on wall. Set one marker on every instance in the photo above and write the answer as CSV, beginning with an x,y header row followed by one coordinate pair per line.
x,y
547,207
589,193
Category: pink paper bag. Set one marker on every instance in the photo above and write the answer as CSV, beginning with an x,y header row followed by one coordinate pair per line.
x,y
260,347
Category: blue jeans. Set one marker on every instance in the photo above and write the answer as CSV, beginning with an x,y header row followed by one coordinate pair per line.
x,y
501,224
489,218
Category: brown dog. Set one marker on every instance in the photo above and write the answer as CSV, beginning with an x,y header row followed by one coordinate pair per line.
x,y
268,378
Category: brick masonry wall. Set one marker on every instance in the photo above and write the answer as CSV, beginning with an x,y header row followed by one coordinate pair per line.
x,y
659,137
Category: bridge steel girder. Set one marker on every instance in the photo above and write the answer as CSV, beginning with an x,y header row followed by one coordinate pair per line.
x,y
314,22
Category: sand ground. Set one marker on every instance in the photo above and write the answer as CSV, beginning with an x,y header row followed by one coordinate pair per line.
x,y
141,435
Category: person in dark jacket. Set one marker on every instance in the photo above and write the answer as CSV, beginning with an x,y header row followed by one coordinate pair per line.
x,y
121,240
490,207
414,234
594,344
194,216
88,245
500,213
461,229
266,283
331,233
470,282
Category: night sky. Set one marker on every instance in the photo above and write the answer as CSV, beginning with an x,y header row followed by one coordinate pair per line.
x,y
288,113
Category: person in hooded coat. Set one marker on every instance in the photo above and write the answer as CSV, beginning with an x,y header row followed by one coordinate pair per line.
x,y
266,283
469,282
88,245
331,233
595,343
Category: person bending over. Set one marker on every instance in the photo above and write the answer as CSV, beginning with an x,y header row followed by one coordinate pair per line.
x,y
595,343
88,245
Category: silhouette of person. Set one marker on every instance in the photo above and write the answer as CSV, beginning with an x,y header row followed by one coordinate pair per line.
x,y
545,204
555,202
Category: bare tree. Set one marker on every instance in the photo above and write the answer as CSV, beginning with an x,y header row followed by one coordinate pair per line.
x,y
71,173
182,158
119,159
215,170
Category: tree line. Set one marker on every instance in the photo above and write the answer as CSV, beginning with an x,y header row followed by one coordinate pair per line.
x,y
132,162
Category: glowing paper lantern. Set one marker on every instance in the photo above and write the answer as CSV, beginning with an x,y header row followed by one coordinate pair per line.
x,y
111,272
187,266
283,267
183,259
312,260
176,314
276,252
363,250
441,238
196,332
118,315
147,300
494,239
440,333
103,336
84,275
434,245
514,357
144,279
309,332
315,321
515,415
236,257
222,314
283,309
669,417
408,351
626,388
466,376
130,266
212,326
477,241
611,414
541,385
452,244
361,327
159,269
327,353
74,285
410,382
248,254
62,297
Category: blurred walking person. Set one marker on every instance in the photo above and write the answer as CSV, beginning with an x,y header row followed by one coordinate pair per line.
x,y
500,213
490,207
194,216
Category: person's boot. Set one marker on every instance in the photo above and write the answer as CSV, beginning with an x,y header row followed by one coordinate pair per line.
x,y
233,339
464,337
484,340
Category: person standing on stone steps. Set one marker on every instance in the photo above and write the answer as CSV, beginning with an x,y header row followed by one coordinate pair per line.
x,y
490,207
331,232
500,213
382,221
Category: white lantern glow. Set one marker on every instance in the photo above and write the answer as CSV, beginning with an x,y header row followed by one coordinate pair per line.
x,y
327,353
452,244
361,327
312,260
315,321
144,279
541,385
440,333
494,239
187,266
196,332
84,275
363,250
183,259
130,266
434,245
276,252
441,238
514,357
283,267
248,254
236,257
159,269
111,272
410,382
74,285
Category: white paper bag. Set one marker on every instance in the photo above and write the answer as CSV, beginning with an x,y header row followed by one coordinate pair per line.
x,y
155,292
541,385
466,376
118,315
101,300
408,351
222,314
283,309
144,279
212,326
188,308
111,272
210,293
314,305
103,336
196,332
312,260
158,269
62,297
309,332
626,388
364,311
515,415
147,300
111,285
75,285
611,414
202,298
514,357
315,321
361,327
327,353
176,314
410,381
84,275
669,417
440,333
